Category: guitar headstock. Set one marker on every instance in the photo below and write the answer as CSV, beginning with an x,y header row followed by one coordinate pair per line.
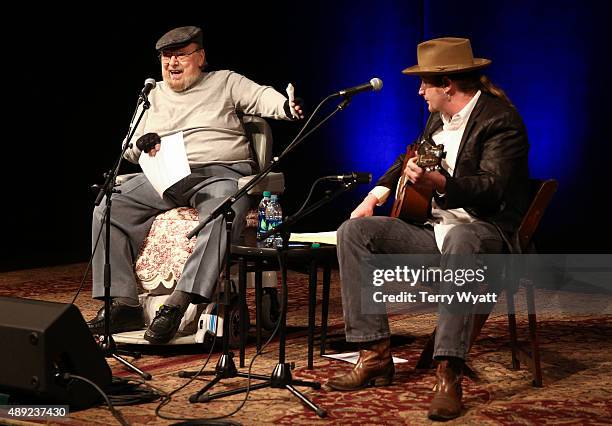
x,y
429,155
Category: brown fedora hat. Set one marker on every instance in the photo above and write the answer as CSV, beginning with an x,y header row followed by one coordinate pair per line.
x,y
445,56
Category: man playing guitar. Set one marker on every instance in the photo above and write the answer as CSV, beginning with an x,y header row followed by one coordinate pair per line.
x,y
479,197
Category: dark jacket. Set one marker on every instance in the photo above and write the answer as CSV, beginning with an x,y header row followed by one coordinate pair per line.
x,y
491,178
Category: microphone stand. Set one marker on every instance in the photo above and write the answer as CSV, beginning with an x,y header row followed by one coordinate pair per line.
x,y
226,368
107,344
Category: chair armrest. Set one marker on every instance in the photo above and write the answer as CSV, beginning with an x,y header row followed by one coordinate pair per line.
x,y
273,182
121,179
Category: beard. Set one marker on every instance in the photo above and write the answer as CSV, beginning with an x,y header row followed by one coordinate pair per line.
x,y
184,83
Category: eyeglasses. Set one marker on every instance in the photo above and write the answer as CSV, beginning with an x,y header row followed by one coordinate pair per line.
x,y
165,56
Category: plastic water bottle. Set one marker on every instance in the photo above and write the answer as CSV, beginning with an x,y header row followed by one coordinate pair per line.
x,y
262,222
274,217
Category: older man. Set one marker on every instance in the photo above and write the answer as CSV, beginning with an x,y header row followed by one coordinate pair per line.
x,y
479,199
206,108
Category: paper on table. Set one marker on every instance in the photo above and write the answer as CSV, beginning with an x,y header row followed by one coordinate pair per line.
x,y
168,166
352,357
315,237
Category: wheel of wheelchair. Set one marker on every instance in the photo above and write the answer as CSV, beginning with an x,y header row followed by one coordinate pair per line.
x,y
234,319
270,308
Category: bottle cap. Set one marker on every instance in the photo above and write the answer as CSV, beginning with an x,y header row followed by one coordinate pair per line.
x,y
274,197
266,193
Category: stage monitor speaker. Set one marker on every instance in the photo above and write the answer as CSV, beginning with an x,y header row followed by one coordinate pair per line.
x,y
39,342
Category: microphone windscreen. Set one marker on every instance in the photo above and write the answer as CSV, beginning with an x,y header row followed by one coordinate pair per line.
x,y
363,177
376,83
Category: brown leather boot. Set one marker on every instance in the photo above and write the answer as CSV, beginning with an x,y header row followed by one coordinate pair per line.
x,y
374,367
446,403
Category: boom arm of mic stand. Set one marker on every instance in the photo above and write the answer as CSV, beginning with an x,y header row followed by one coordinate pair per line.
x,y
229,201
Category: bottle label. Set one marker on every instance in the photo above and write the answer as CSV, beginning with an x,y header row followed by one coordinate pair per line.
x,y
273,223
273,240
262,224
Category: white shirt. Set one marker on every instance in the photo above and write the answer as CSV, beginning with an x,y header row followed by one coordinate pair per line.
x,y
450,136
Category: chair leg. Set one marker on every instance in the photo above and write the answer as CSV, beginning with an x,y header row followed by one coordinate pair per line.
x,y
426,358
312,304
533,335
479,322
325,306
512,328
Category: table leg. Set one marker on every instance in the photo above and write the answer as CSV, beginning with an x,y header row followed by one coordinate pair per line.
x,y
325,306
244,310
258,310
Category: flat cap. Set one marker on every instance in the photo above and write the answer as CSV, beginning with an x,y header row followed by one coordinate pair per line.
x,y
179,37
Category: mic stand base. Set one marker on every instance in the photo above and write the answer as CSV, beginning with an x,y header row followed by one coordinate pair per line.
x,y
280,378
109,349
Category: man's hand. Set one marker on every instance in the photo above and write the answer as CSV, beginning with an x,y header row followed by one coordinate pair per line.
x,y
366,208
293,105
149,143
420,177
297,105
293,109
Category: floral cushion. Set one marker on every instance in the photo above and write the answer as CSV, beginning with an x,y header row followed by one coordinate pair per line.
x,y
166,248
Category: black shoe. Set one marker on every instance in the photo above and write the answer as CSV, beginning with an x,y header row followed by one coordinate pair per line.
x,y
122,318
165,324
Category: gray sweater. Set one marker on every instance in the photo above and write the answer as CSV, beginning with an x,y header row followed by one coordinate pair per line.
x,y
206,114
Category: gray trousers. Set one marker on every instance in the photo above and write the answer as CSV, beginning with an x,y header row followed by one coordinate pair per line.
x,y
132,214
359,238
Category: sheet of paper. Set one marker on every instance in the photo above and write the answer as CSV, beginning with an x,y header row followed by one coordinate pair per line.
x,y
315,237
352,357
168,166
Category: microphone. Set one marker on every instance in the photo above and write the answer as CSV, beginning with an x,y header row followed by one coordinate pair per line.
x,y
149,85
357,177
375,84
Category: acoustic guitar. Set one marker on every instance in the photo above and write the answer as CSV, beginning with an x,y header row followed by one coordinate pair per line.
x,y
413,202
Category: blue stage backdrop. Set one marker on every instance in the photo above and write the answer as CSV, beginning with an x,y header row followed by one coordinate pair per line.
x,y
378,125
356,42
71,101
550,57
545,55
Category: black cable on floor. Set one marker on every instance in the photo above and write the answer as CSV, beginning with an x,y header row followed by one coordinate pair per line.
x,y
117,414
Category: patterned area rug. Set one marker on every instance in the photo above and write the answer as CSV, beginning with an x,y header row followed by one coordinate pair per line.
x,y
576,361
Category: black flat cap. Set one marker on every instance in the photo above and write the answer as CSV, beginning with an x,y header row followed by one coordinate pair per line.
x,y
179,37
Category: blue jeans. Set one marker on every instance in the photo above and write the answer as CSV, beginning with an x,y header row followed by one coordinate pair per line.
x,y
359,238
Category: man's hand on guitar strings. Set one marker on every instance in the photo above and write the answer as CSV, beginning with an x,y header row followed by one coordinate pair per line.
x,y
413,172
418,176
